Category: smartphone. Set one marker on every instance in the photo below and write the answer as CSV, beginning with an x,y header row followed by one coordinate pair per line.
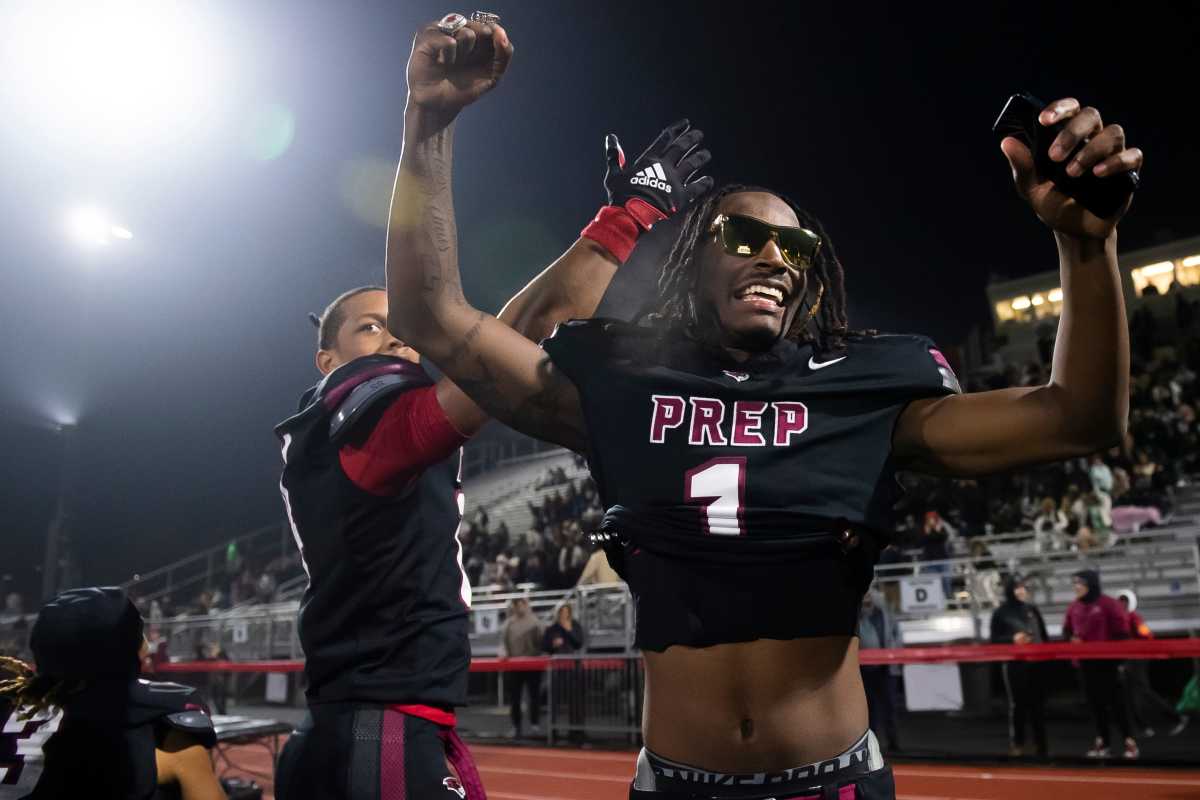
x,y
1103,196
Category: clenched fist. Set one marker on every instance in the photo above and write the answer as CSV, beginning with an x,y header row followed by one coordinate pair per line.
x,y
447,72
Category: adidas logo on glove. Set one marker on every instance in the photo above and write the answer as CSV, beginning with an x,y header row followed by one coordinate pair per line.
x,y
652,176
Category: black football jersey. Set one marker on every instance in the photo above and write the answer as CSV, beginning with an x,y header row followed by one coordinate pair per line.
x,y
750,497
384,617
105,743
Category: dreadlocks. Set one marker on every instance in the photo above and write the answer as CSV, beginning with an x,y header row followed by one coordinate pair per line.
x,y
31,692
823,323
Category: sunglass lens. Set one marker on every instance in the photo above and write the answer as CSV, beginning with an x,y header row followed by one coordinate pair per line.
x,y
743,237
799,246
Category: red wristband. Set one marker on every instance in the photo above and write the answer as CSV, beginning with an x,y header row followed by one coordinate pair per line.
x,y
614,229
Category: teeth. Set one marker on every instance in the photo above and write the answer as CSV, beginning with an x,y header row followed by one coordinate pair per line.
x,y
766,291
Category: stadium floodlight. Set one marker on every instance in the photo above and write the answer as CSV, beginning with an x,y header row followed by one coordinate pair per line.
x,y
112,74
89,226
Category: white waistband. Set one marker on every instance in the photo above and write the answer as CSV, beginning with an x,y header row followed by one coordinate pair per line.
x,y
866,749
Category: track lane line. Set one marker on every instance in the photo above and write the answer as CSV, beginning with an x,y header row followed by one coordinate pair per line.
x,y
1034,777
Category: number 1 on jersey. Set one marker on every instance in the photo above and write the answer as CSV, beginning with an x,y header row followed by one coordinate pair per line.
x,y
719,483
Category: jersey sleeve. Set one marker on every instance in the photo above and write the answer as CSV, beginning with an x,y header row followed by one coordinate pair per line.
x,y
578,347
388,448
915,366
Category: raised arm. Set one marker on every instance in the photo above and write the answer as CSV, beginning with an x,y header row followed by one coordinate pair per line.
x,y
498,368
1084,406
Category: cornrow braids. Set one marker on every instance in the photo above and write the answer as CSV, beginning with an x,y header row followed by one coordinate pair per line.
x,y
824,323
334,315
31,692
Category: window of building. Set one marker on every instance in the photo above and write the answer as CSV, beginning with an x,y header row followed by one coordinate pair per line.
x,y
1188,273
1158,275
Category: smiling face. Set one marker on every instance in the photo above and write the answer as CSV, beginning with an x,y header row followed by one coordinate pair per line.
x,y
751,299
363,332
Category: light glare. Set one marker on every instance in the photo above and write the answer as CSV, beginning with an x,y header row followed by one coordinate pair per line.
x,y
1157,269
91,227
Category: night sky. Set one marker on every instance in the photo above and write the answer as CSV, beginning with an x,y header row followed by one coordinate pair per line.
x,y
179,350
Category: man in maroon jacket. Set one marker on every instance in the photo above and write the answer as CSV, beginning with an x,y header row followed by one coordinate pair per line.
x,y
1096,617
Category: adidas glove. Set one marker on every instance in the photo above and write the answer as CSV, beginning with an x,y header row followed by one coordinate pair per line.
x,y
661,182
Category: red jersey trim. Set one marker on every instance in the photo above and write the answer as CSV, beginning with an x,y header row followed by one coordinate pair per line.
x,y
437,716
413,433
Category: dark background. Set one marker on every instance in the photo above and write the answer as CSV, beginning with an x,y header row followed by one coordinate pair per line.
x,y
179,352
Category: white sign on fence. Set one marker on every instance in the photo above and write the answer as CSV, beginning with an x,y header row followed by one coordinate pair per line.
x,y
922,594
487,620
277,687
932,687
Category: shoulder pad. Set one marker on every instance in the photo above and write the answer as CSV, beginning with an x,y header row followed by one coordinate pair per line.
x,y
174,705
351,389
907,360
337,385
363,397
195,723
578,345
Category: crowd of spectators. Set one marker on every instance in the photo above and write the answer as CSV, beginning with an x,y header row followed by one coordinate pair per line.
x,y
1077,504
554,553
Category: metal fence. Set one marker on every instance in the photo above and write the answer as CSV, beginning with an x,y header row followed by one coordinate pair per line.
x,y
597,696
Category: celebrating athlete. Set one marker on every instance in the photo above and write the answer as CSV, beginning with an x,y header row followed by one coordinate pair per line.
x,y
371,483
745,440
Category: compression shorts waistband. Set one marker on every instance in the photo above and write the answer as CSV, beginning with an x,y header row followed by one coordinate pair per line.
x,y
655,772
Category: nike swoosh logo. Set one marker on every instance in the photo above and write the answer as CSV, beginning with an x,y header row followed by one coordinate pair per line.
x,y
813,364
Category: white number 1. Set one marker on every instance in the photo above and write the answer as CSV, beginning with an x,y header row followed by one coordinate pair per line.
x,y
721,484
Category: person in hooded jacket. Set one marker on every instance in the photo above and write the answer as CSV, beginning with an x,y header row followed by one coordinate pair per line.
x,y
120,738
1018,621
1096,617
1139,694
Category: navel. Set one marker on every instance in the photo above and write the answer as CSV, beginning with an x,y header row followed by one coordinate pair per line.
x,y
747,729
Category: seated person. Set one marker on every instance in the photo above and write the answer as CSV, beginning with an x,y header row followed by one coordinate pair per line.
x,y
120,737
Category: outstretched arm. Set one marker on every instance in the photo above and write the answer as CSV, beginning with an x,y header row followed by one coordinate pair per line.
x,y
1084,406
496,367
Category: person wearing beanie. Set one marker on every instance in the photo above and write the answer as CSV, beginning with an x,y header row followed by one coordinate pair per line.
x,y
1097,617
120,737
1139,694
1018,621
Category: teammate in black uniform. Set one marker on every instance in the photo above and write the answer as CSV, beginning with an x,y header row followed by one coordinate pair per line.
x,y
120,737
745,441
371,486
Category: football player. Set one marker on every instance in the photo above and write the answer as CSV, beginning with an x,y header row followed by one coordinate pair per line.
x,y
120,736
371,487
744,439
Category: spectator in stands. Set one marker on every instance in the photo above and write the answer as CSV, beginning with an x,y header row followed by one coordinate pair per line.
x,y
1096,617
204,604
1097,531
1139,694
1099,473
264,590
521,637
935,546
877,630
984,579
1018,621
244,587
120,737
564,637
532,570
1050,528
572,557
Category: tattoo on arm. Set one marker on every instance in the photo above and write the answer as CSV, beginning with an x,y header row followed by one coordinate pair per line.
x,y
552,412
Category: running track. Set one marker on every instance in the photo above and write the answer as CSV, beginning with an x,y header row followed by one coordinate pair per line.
x,y
528,773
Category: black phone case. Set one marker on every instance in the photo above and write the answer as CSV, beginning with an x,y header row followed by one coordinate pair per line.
x,y
1102,196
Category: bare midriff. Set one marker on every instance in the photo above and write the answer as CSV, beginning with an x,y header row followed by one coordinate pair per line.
x,y
754,706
